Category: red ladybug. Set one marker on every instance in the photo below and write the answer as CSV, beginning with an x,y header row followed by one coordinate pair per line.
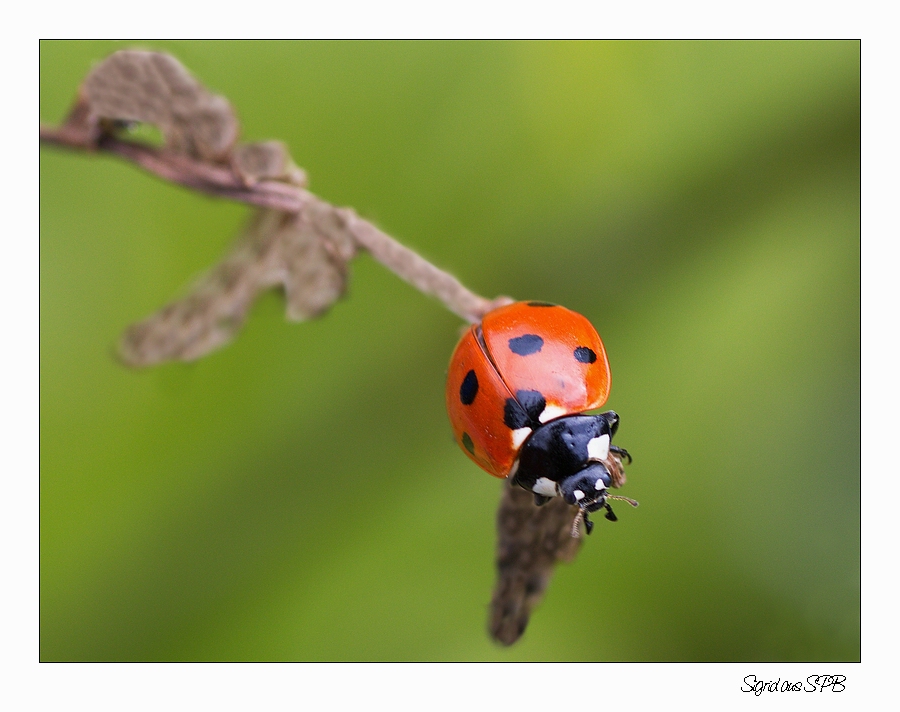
x,y
518,385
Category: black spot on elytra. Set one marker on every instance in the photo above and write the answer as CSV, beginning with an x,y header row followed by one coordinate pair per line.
x,y
513,415
524,411
469,388
541,304
526,344
585,355
467,443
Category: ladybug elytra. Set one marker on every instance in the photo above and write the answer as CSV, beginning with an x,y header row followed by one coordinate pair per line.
x,y
518,387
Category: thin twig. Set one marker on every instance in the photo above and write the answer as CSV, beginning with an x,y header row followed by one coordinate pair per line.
x,y
418,271
223,182
220,182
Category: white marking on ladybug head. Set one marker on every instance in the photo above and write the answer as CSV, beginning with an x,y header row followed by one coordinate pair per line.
x,y
520,436
550,412
598,448
600,485
579,495
545,486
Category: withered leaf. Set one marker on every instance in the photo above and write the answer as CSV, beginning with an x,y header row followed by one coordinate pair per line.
x,y
307,253
151,87
531,540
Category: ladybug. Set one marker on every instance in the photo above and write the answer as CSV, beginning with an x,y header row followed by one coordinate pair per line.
x,y
518,386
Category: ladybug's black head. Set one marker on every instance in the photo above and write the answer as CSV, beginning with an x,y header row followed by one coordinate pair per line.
x,y
588,490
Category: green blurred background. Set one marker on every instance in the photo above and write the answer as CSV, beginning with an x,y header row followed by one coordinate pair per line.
x,y
699,202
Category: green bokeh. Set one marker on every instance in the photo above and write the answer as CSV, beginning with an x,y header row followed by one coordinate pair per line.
x,y
297,495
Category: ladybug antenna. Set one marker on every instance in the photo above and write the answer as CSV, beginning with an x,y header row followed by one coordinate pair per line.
x,y
610,514
588,524
632,502
576,522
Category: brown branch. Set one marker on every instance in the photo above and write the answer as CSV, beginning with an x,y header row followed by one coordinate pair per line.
x,y
420,273
224,182
294,240
218,181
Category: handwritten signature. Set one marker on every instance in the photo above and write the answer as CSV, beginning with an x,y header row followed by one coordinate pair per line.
x,y
813,683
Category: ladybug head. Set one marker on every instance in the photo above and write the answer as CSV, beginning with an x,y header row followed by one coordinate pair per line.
x,y
589,490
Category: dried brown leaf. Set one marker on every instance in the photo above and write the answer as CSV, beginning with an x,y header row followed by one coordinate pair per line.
x,y
151,87
315,253
530,542
306,253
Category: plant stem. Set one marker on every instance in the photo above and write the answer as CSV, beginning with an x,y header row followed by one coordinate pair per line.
x,y
223,182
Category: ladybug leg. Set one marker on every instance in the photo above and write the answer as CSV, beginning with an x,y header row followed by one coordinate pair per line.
x,y
610,515
588,524
621,452
540,500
